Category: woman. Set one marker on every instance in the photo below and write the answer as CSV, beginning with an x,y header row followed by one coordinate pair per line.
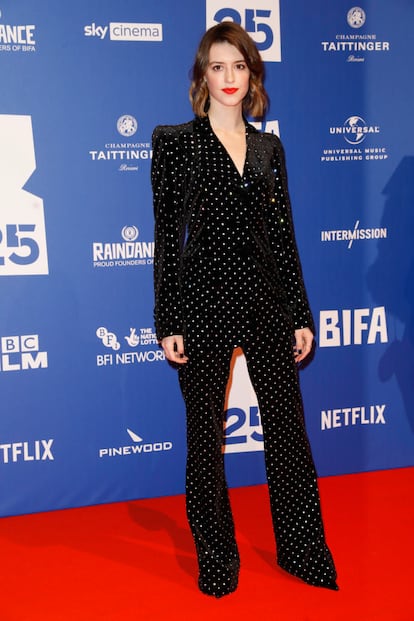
x,y
227,274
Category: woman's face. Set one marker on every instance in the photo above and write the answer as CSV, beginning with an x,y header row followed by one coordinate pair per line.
x,y
227,75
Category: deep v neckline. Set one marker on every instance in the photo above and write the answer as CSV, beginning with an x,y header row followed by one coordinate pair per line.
x,y
240,175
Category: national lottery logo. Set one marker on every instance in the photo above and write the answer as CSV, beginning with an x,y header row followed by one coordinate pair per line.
x,y
138,339
356,17
127,125
261,19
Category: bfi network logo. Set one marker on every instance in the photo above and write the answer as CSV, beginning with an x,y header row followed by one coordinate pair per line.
x,y
22,353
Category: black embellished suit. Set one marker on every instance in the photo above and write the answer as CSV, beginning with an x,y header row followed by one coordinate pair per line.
x,y
227,274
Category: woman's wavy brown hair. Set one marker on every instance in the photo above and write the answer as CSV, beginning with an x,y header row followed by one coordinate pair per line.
x,y
255,102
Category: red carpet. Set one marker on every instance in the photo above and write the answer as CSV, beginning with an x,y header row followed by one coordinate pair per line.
x,y
136,560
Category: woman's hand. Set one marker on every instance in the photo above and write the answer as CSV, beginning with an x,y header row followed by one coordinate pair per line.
x,y
173,347
304,339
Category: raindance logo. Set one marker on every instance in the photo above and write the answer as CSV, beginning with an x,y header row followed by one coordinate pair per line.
x,y
354,131
351,235
140,447
137,339
21,38
126,155
355,44
124,254
356,17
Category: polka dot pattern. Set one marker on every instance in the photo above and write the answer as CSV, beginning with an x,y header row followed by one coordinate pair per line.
x,y
227,274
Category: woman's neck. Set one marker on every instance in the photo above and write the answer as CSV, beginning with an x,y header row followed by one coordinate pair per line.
x,y
226,119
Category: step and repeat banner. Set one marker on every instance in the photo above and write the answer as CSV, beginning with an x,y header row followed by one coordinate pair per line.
x,y
90,410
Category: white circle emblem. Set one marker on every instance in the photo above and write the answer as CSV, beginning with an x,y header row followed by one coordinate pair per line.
x,y
127,125
356,17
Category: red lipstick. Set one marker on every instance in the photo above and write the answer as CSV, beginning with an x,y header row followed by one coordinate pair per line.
x,y
230,91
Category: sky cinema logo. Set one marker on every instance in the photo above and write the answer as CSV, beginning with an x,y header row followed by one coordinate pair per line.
x,y
125,31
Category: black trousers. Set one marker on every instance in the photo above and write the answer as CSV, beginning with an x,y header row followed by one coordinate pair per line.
x,y
266,341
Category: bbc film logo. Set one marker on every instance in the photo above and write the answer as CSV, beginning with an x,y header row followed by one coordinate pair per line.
x,y
22,353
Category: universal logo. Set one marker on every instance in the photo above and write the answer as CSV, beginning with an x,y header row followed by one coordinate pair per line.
x,y
355,130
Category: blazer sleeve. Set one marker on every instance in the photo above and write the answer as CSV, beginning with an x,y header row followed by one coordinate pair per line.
x,y
167,186
284,245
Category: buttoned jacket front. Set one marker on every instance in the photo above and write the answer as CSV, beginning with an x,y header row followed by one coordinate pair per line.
x,y
206,211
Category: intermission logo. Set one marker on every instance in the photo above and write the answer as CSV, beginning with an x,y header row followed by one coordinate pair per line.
x,y
358,326
351,417
355,44
127,253
354,132
22,353
139,342
260,18
140,447
17,38
125,31
34,450
351,235
126,155
23,250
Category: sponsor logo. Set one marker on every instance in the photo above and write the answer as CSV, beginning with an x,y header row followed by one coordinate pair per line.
x,y
355,44
138,339
140,447
354,131
17,38
35,450
359,326
127,125
270,127
125,31
350,417
22,353
350,235
23,250
243,430
126,155
127,253
261,20
356,17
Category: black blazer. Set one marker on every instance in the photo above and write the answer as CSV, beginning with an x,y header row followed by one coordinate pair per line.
x,y
188,160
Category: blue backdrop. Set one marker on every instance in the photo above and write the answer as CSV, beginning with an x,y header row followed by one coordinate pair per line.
x,y
90,411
